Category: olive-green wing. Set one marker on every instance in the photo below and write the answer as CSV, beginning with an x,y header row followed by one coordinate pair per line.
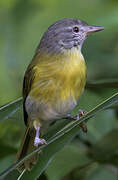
x,y
27,83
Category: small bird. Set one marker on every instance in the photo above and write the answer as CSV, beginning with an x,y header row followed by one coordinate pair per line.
x,y
53,82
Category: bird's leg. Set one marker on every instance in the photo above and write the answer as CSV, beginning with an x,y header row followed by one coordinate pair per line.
x,y
82,124
38,141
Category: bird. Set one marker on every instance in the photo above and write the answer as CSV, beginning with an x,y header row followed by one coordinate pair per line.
x,y
53,82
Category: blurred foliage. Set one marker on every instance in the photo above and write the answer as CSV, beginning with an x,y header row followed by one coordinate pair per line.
x,y
22,24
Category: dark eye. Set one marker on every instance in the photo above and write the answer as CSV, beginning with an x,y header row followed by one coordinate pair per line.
x,y
75,29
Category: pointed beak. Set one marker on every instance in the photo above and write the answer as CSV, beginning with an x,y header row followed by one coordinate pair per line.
x,y
92,29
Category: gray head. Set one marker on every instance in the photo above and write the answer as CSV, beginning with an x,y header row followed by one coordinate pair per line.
x,y
66,34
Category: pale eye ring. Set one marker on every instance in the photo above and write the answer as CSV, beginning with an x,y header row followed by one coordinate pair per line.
x,y
76,29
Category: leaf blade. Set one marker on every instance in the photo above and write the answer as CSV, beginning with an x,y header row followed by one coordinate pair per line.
x,y
9,109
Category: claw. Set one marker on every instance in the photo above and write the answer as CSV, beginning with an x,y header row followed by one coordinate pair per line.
x,y
39,141
81,113
83,124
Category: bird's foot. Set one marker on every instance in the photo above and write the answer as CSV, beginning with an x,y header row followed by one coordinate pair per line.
x,y
39,141
80,114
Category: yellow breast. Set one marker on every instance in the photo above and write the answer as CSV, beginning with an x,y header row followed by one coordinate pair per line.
x,y
59,77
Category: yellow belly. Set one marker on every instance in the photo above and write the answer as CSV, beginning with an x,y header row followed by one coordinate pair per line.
x,y
59,77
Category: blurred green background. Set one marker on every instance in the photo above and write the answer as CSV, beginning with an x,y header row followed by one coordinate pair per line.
x,y
22,23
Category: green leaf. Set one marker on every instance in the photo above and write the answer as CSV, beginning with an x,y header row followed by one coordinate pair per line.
x,y
106,149
101,173
9,109
58,141
104,83
81,172
70,158
13,175
7,150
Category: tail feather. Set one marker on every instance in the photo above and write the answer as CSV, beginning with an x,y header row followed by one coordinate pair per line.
x,y
27,145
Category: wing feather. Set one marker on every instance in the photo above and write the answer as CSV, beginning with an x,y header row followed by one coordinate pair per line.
x,y
27,84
